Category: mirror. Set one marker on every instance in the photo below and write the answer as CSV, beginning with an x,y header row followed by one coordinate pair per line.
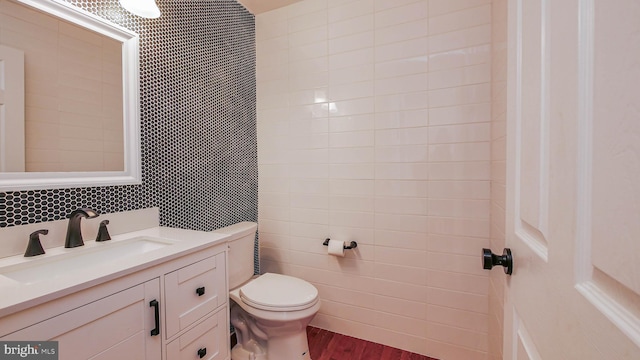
x,y
69,95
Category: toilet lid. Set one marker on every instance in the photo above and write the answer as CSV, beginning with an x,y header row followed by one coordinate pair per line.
x,y
275,291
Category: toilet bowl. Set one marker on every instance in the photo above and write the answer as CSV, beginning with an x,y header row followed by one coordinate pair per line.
x,y
270,312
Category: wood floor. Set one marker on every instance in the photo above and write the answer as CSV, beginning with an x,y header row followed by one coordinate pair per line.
x,y
327,345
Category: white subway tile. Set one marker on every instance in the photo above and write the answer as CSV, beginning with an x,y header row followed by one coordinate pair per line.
x,y
401,32
405,188
351,155
309,51
477,170
462,19
351,26
351,58
353,9
473,55
351,219
401,290
459,133
459,208
401,14
459,318
401,171
396,222
463,338
460,152
309,156
402,136
304,7
402,239
315,65
309,201
351,91
351,187
351,139
351,74
399,256
313,111
308,21
309,80
477,190
401,154
310,216
308,96
460,114
402,274
400,102
309,141
351,171
462,95
309,171
402,119
309,186
402,50
381,5
475,74
400,67
401,84
351,203
351,42
401,205
352,107
351,123
459,39
439,7
458,300
459,227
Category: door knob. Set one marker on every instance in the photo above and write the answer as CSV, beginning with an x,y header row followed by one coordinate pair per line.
x,y
489,260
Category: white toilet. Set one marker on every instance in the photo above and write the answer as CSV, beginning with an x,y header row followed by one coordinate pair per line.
x,y
270,312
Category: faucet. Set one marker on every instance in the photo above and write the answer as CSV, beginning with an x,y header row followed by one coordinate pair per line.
x,y
74,234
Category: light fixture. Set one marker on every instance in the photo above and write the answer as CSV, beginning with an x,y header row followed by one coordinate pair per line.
x,y
143,8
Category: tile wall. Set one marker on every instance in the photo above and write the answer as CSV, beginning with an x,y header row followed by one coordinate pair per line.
x,y
198,122
374,125
498,171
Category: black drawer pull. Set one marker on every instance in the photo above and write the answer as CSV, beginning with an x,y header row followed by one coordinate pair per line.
x,y
156,305
200,291
202,352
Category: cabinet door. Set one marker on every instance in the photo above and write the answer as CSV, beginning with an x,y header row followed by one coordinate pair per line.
x,y
208,340
115,327
194,291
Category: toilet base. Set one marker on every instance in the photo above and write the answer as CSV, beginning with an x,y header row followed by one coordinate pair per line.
x,y
240,353
294,347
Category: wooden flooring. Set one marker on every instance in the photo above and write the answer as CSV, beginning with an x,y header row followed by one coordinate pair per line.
x,y
327,345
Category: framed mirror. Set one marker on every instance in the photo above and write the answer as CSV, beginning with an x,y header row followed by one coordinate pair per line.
x,y
69,98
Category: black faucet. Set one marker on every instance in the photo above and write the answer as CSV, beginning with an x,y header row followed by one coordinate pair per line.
x,y
74,234
35,247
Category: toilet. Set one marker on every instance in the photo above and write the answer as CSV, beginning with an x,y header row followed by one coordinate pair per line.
x,y
269,312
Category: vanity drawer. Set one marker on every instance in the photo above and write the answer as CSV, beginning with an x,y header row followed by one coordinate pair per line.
x,y
194,291
207,340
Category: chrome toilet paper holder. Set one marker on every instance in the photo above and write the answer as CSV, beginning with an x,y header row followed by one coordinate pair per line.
x,y
352,245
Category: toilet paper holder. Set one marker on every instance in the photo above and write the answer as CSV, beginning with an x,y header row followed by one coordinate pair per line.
x,y
352,245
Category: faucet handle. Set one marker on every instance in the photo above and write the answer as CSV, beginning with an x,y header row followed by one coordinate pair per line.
x,y
103,232
34,247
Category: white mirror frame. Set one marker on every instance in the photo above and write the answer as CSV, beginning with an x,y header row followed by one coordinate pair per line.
x,y
132,173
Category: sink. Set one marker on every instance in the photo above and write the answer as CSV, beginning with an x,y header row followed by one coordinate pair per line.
x,y
78,260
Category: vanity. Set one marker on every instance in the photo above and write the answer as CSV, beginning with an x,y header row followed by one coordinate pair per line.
x,y
156,293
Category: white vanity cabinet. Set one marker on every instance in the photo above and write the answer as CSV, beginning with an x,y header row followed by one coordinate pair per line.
x,y
176,309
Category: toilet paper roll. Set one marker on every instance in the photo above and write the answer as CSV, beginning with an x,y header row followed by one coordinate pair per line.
x,y
336,248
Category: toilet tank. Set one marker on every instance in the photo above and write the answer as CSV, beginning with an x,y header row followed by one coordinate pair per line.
x,y
240,259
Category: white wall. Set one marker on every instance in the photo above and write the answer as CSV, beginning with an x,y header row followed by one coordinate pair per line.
x,y
374,125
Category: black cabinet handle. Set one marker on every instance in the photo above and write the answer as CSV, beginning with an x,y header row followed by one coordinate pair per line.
x,y
489,260
156,305
202,352
200,291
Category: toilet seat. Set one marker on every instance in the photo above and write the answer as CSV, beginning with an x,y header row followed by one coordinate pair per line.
x,y
275,292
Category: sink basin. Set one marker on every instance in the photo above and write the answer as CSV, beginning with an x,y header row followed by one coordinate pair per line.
x,y
78,260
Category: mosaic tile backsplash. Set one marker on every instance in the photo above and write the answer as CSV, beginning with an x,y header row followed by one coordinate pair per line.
x,y
198,122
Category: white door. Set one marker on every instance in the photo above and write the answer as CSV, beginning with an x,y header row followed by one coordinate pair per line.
x,y
573,188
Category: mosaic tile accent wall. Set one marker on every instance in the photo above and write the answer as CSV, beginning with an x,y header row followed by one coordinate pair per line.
x,y
198,122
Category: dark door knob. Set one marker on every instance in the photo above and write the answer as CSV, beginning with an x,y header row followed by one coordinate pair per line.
x,y
489,260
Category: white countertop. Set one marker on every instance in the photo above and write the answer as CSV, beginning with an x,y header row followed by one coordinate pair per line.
x,y
16,296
